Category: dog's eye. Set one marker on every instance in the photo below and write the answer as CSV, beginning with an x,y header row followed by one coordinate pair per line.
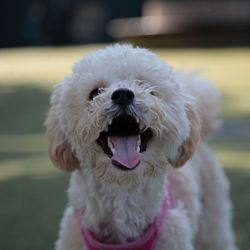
x,y
94,93
152,93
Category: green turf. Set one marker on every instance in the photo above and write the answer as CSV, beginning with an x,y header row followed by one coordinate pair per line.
x,y
33,193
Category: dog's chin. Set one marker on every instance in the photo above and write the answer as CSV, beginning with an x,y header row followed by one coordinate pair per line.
x,y
125,141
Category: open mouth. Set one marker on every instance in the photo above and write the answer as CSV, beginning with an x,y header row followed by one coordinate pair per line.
x,y
124,142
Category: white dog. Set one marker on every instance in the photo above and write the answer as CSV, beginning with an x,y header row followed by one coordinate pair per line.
x,y
123,122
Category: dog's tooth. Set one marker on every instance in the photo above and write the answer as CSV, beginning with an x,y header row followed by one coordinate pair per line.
x,y
138,144
137,120
110,145
142,128
106,129
109,122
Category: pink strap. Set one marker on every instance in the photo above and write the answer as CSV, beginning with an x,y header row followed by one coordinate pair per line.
x,y
147,241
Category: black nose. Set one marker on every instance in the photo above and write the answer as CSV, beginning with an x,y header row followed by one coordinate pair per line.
x,y
122,97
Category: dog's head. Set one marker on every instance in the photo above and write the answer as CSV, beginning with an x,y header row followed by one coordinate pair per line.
x,y
122,112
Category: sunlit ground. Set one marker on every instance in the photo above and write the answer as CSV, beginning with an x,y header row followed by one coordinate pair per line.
x,y
33,192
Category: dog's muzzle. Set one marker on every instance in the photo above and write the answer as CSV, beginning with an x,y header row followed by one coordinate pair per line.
x,y
123,141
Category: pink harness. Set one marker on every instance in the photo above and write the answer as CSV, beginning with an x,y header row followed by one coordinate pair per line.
x,y
146,242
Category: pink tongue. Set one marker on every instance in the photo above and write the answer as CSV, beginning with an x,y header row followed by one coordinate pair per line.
x,y
126,150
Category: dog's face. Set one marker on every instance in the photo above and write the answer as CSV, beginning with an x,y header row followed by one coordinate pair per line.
x,y
122,113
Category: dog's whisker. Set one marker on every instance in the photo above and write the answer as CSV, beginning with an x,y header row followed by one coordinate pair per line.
x,y
150,170
101,171
137,179
121,180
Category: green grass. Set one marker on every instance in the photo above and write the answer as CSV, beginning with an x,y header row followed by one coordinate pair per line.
x,y
33,192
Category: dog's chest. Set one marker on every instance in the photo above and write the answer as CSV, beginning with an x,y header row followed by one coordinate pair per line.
x,y
116,214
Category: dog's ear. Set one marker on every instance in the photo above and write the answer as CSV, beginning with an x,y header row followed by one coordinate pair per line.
x,y
60,150
187,148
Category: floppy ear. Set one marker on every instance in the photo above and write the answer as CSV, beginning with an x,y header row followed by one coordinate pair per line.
x,y
187,148
60,150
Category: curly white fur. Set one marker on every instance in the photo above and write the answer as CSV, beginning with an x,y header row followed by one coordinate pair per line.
x,y
119,205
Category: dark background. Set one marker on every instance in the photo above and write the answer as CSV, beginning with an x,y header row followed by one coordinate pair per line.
x,y
60,22
68,22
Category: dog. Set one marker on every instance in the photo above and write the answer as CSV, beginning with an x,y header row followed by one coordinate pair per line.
x,y
132,130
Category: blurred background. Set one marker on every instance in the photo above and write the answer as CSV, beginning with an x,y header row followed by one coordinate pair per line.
x,y
39,41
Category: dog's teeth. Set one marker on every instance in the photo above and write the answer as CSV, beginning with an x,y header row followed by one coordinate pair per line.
x,y
137,120
109,122
138,144
106,129
142,128
110,144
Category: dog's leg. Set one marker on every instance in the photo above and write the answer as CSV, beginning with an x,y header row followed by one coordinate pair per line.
x,y
176,232
215,229
69,235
